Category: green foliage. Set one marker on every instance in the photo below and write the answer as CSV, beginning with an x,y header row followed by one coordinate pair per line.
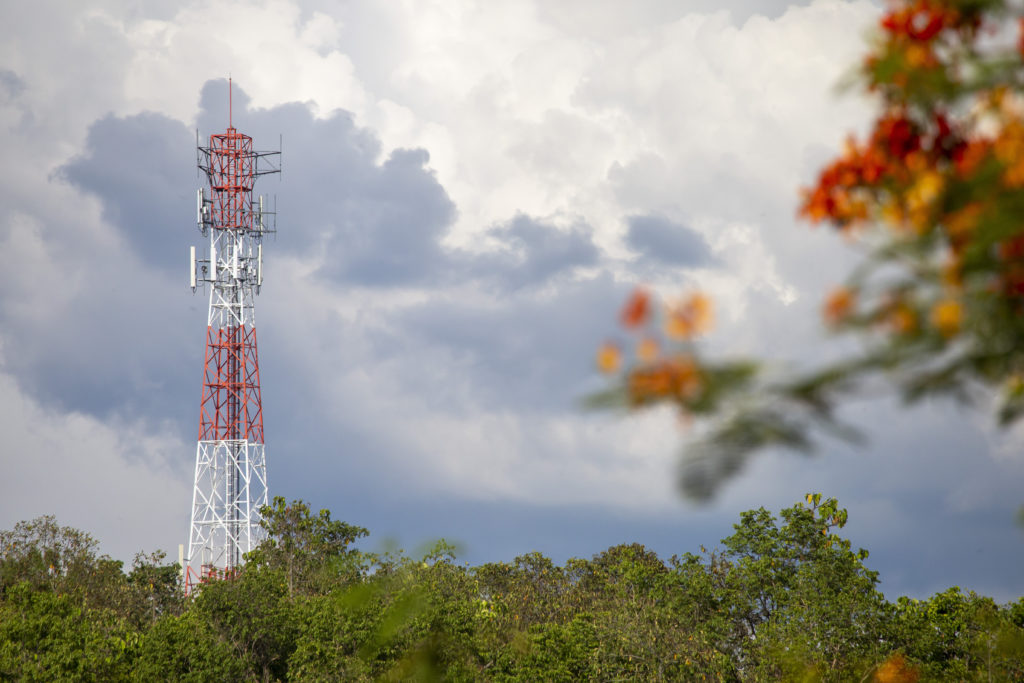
x,y
46,636
153,589
187,648
800,599
782,598
310,550
962,636
50,557
253,614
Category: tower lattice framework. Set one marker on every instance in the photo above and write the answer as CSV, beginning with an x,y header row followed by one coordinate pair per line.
x,y
231,470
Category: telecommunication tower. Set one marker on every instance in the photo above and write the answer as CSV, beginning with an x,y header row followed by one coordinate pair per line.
x,y
231,469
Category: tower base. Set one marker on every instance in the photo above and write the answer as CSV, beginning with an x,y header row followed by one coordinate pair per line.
x,y
230,489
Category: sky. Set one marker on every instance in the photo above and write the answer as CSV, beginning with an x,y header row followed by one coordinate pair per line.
x,y
469,192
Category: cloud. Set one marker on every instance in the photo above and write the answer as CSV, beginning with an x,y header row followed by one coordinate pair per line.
x,y
117,480
527,352
357,225
364,222
353,222
451,248
665,242
11,85
531,253
88,326
606,21
142,168
389,224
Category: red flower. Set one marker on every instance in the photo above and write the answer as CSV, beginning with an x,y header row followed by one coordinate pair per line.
x,y
922,21
637,309
899,135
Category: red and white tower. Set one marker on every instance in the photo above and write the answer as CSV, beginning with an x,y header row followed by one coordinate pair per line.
x,y
231,470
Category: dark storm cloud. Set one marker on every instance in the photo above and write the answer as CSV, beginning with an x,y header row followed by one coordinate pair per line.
x,y
143,169
533,253
381,224
372,223
390,225
117,347
97,333
668,243
11,85
529,353
375,224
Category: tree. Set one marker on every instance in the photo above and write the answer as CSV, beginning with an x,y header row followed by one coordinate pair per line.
x,y
801,598
46,636
50,557
642,623
405,619
153,589
65,611
957,635
935,193
186,647
309,549
784,598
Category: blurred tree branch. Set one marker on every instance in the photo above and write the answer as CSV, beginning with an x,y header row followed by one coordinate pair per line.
x,y
936,193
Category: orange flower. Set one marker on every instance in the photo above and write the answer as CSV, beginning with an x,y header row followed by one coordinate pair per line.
x,y
962,223
836,197
897,135
918,55
896,670
892,212
1010,141
1008,148
921,197
969,156
815,205
647,350
947,316
686,378
649,384
637,309
1014,176
609,358
1012,271
1020,36
689,318
952,272
921,21
838,305
675,378
901,319
917,161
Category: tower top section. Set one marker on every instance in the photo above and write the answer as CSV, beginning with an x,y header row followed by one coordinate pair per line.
x,y
231,166
231,215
